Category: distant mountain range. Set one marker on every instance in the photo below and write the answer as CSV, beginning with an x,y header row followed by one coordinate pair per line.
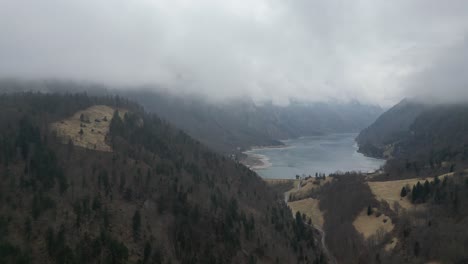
x,y
236,125
233,125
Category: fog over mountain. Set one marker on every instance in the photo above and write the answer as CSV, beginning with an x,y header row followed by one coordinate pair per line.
x,y
373,51
445,80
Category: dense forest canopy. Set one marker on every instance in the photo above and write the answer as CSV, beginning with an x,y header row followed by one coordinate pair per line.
x,y
158,197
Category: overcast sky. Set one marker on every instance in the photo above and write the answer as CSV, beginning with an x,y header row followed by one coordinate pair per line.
x,y
370,50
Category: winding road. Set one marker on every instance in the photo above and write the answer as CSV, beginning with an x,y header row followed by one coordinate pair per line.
x,y
327,253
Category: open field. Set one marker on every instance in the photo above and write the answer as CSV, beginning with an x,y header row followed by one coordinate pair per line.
x,y
369,225
93,122
305,187
389,191
309,207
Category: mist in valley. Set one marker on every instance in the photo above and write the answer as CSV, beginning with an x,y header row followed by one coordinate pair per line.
x,y
265,131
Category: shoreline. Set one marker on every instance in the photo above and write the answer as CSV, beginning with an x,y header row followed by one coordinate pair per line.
x,y
253,148
256,161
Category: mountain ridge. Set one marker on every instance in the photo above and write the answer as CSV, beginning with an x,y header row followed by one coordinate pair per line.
x,y
231,126
242,123
157,196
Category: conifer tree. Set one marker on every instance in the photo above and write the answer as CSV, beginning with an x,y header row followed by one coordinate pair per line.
x,y
136,224
403,192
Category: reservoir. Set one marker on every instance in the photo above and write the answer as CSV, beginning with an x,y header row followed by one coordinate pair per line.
x,y
308,155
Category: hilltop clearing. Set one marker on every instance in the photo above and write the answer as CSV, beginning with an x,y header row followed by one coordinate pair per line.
x,y
88,128
374,223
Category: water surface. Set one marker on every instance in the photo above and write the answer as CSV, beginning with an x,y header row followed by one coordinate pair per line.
x,y
323,154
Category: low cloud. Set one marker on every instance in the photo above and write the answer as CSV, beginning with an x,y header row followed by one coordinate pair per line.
x,y
266,49
445,80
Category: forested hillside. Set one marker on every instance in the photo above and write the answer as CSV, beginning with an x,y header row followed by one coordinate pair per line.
x,y
154,195
228,126
426,223
378,139
419,137
238,124
423,187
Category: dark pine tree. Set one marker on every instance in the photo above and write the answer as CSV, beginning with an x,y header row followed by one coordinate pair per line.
x,y
136,224
403,192
369,210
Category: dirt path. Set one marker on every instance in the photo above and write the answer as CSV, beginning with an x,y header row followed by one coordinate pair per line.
x,y
296,188
327,253
315,214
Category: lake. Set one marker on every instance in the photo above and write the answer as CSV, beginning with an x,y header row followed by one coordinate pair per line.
x,y
308,155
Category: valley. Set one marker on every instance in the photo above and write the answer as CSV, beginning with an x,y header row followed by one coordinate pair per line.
x,y
108,166
233,132
399,213
98,180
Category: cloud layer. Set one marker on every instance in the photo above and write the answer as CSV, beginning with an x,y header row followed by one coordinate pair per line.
x,y
445,79
371,50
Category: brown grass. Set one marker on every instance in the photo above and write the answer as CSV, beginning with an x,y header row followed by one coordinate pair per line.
x,y
368,225
311,184
94,132
391,245
309,207
307,187
389,191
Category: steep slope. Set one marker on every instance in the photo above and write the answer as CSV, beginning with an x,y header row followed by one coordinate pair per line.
x,y
377,140
419,139
428,133
154,195
438,135
230,126
239,124
224,129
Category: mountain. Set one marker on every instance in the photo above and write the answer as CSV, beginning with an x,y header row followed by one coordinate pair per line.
x,y
98,180
422,190
229,126
426,138
236,125
378,139
440,134
226,129
426,146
